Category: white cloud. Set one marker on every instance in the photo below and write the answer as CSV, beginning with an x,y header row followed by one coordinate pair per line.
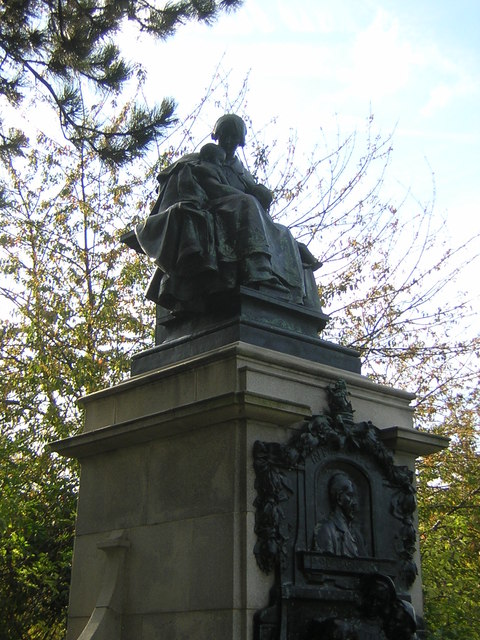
x,y
381,60
442,95
308,18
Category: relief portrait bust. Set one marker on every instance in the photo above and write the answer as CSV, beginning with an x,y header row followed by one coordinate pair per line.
x,y
338,534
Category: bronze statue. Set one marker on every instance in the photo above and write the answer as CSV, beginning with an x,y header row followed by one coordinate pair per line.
x,y
210,231
380,601
332,629
338,535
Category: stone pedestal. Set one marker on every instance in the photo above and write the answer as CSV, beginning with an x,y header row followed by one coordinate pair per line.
x,y
165,526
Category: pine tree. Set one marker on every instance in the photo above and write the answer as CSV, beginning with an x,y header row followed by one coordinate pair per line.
x,y
60,48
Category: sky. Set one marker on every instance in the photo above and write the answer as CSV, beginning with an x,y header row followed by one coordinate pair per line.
x,y
414,64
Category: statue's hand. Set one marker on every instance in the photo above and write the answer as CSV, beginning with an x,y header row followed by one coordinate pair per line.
x,y
263,195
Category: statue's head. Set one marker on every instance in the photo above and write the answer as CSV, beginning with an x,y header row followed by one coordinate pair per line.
x,y
212,153
342,494
401,623
378,594
230,125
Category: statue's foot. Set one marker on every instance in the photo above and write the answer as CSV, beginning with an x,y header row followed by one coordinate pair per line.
x,y
271,283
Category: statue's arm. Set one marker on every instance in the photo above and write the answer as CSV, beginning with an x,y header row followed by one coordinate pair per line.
x,y
221,190
259,191
262,194
213,182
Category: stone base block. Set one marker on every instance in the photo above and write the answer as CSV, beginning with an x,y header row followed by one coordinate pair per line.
x,y
165,525
247,316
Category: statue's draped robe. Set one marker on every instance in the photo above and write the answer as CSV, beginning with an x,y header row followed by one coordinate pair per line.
x,y
208,233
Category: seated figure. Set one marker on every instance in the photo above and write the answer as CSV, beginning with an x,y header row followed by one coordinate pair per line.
x,y
210,231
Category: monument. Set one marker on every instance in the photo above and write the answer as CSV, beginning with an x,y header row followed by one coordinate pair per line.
x,y
226,489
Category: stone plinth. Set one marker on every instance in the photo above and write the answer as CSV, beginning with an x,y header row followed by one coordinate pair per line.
x,y
244,315
164,535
